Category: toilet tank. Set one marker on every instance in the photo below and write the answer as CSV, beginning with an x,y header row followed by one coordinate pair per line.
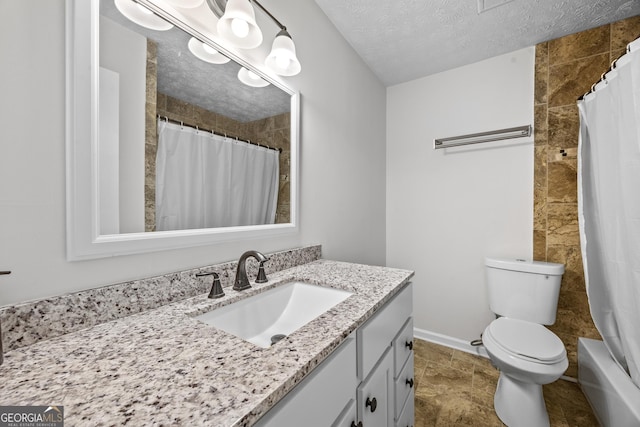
x,y
525,290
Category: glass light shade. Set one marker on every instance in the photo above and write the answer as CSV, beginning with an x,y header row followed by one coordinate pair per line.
x,y
205,52
144,9
240,27
251,79
239,17
209,49
185,4
145,18
282,60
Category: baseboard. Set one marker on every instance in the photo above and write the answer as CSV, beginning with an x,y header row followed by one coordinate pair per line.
x,y
451,342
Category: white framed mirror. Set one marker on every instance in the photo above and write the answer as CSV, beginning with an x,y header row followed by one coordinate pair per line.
x,y
116,186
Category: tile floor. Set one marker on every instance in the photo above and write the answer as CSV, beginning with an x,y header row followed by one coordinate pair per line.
x,y
454,388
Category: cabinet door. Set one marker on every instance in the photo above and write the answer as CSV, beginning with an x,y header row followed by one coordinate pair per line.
x,y
375,400
321,397
379,331
348,417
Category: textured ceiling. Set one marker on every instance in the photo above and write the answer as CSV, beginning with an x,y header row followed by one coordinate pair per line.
x,y
407,39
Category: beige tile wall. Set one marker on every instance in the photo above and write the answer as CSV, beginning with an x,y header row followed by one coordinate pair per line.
x,y
150,137
276,132
565,69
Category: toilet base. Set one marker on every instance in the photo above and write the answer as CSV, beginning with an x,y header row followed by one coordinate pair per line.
x,y
520,404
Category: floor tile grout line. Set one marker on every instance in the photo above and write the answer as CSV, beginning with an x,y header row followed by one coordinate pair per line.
x,y
455,408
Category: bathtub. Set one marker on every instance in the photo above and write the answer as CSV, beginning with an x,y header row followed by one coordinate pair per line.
x,y
615,399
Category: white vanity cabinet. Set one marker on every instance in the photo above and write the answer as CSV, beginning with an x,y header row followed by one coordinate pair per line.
x,y
385,364
321,398
366,382
375,395
348,417
403,378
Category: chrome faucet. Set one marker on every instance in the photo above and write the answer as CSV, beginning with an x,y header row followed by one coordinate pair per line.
x,y
242,281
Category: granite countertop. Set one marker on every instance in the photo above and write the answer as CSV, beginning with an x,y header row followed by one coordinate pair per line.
x,y
163,367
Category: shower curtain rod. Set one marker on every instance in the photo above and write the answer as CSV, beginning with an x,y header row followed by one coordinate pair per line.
x,y
603,76
181,123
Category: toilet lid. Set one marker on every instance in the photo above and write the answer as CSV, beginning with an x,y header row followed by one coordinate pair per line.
x,y
528,340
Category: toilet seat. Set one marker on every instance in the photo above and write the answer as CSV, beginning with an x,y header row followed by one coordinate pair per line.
x,y
526,340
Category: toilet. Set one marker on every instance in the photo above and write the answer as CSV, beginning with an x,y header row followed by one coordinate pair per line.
x,y
524,297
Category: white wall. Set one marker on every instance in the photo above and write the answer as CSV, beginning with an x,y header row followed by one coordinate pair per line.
x,y
342,157
125,52
448,209
109,151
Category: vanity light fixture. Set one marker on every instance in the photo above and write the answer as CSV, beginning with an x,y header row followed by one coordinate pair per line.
x,y
205,52
185,4
142,16
237,25
250,78
282,60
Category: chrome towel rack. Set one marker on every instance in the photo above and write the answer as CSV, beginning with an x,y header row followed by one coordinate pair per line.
x,y
476,138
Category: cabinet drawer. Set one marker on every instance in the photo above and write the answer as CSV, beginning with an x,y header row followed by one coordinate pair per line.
x,y
404,386
406,418
402,347
375,336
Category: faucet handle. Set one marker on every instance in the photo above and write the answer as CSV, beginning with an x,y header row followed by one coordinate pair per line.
x,y
262,276
216,287
210,273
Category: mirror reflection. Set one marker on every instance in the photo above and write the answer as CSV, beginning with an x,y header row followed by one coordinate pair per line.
x,y
188,139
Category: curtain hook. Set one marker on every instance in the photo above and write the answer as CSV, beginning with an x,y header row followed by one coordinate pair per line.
x,y
603,78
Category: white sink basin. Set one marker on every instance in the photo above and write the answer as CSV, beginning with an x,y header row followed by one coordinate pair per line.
x,y
278,311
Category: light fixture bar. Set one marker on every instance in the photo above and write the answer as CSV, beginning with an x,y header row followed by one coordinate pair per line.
x,y
476,138
281,60
278,23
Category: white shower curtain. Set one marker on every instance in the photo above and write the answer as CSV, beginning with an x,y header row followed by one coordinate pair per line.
x,y
609,207
205,180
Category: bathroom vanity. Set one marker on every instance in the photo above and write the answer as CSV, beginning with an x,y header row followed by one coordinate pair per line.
x,y
368,379
352,364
